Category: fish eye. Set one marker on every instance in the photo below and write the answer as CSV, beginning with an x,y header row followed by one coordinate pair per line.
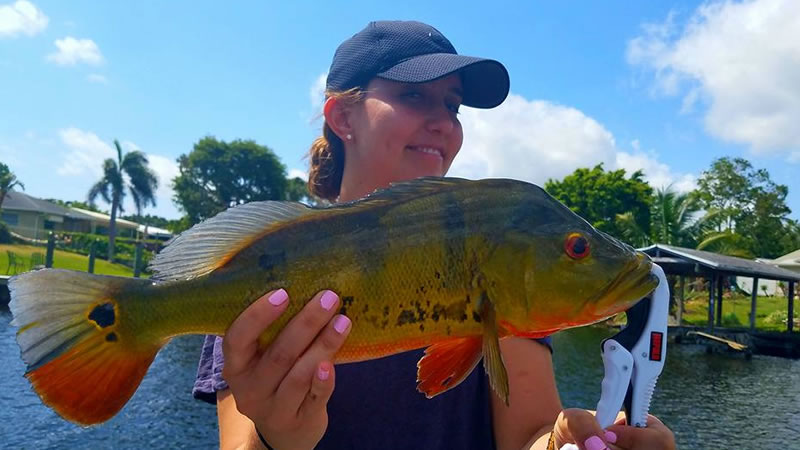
x,y
577,246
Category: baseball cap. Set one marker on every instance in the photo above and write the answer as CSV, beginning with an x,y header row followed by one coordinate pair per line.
x,y
414,52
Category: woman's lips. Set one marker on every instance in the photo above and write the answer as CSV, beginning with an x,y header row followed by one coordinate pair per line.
x,y
430,151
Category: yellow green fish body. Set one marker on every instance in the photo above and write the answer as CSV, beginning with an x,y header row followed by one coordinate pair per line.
x,y
448,264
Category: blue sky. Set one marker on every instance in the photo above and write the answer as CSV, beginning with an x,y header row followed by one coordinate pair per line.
x,y
662,86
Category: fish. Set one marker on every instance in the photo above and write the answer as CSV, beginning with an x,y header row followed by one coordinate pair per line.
x,y
446,264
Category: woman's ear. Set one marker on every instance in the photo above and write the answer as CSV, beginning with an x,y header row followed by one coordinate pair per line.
x,y
337,116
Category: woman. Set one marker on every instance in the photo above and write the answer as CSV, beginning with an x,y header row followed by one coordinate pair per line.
x,y
391,114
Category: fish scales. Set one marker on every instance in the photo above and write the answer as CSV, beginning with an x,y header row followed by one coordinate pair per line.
x,y
447,264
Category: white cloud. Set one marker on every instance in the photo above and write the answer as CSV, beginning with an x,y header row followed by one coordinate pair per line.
x,y
72,51
530,140
87,152
316,94
97,78
166,169
21,17
538,140
293,173
741,60
657,174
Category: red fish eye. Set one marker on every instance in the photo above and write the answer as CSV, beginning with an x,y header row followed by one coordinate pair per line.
x,y
576,246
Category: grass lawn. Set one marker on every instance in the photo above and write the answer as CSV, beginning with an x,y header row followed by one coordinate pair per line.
x,y
771,312
61,260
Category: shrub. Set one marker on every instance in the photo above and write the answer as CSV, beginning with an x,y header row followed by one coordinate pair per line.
x,y
5,235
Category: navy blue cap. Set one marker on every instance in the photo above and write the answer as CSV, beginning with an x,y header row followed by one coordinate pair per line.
x,y
413,52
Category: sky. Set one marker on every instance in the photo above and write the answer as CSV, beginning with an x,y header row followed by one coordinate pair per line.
x,y
666,87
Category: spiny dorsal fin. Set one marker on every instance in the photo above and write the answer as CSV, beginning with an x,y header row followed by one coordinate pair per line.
x,y
210,244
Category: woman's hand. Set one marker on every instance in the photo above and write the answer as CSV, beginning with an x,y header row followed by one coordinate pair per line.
x,y
284,390
656,436
578,426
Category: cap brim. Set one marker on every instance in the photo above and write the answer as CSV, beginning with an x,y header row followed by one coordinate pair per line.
x,y
485,82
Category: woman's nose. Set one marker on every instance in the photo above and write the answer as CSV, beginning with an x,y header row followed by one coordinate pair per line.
x,y
440,120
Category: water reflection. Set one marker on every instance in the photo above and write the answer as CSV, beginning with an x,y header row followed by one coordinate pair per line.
x,y
710,401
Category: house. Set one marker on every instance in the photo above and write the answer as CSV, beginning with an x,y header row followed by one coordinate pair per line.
x,y
34,218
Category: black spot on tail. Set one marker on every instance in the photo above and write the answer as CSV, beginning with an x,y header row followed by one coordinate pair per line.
x,y
111,337
103,315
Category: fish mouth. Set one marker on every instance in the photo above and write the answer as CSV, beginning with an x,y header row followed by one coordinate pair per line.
x,y
632,284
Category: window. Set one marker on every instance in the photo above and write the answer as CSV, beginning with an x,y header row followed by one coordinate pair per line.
x,y
10,219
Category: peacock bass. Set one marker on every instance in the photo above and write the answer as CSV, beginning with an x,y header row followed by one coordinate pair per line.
x,y
448,264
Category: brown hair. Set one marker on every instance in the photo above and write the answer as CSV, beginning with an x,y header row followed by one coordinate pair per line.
x,y
327,154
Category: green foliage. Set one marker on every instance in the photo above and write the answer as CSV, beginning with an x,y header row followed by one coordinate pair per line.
x,y
151,220
125,249
750,215
731,320
600,197
217,175
5,235
8,181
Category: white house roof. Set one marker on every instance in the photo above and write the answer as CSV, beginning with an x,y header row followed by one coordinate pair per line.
x,y
105,219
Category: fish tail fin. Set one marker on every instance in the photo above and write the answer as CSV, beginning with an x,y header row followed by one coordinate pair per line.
x,y
78,361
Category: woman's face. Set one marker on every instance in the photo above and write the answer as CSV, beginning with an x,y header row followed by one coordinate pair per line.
x,y
403,131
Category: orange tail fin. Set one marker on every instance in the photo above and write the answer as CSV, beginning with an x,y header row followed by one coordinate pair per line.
x,y
79,363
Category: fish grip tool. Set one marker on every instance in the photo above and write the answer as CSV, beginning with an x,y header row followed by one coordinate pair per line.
x,y
633,360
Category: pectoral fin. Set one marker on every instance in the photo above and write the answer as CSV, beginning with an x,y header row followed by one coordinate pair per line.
x,y
493,359
446,364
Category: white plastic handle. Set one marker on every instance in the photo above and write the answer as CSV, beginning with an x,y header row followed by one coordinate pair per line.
x,y
618,364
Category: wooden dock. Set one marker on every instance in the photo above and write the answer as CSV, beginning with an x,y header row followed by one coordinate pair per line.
x,y
739,341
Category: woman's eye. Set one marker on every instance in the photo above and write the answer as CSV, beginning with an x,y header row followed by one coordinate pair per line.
x,y
412,95
453,108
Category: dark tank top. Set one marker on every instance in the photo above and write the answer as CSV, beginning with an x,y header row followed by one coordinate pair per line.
x,y
376,405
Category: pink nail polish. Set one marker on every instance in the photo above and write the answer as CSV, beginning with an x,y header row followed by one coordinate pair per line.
x,y
328,300
278,297
611,437
595,443
340,324
323,373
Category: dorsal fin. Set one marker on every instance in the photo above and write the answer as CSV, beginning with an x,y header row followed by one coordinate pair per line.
x,y
210,244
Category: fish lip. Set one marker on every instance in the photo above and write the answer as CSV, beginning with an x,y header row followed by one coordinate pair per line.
x,y
624,283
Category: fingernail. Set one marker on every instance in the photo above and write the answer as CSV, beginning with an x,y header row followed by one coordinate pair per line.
x,y
611,437
323,373
328,300
595,443
340,324
278,297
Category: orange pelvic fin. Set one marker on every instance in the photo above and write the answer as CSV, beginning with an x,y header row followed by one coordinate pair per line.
x,y
446,364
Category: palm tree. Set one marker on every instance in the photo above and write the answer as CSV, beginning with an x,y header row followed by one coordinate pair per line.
x,y
142,183
8,181
672,215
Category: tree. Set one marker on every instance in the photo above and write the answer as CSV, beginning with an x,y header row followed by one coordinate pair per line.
x,y
8,181
673,218
751,215
599,197
142,186
217,175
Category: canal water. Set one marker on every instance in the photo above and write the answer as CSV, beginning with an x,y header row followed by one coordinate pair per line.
x,y
709,401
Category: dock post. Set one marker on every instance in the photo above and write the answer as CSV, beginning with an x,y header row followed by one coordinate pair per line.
x,y
790,322
680,300
137,261
720,280
92,250
51,245
754,295
711,283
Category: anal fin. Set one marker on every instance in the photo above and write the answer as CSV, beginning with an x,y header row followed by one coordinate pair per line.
x,y
492,358
446,364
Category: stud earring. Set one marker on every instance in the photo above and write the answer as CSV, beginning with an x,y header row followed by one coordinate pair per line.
x,y
349,137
